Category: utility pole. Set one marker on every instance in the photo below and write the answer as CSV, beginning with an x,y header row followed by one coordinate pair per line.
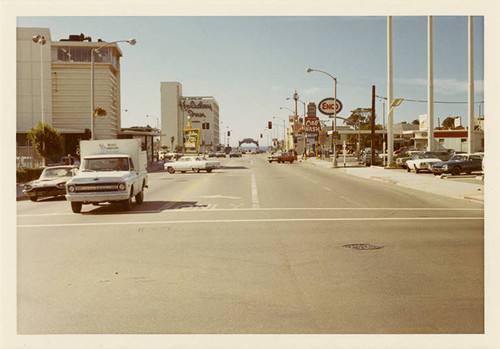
x,y
471,87
373,126
430,89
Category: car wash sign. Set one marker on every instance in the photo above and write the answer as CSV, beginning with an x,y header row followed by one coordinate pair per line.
x,y
329,106
312,124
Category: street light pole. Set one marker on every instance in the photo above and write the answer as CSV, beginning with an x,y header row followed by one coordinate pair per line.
x,y
334,121
92,101
40,39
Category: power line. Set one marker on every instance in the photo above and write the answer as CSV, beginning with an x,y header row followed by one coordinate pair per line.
x,y
422,101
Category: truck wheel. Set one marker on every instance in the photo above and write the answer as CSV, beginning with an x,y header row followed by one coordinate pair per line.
x,y
408,169
76,207
197,170
209,170
127,204
417,170
171,170
291,161
33,198
139,198
270,161
456,171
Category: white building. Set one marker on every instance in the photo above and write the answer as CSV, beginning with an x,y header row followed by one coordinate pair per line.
x,y
66,69
177,110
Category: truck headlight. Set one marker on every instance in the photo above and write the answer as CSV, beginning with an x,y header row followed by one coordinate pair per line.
x,y
121,186
445,167
61,185
71,188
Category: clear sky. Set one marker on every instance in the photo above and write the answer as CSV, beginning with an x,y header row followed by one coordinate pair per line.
x,y
251,64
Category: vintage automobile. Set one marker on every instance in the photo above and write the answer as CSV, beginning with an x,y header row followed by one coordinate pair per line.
x,y
282,157
458,164
423,160
408,155
235,154
366,158
52,182
212,154
192,163
220,154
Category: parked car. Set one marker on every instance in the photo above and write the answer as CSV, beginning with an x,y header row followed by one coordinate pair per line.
x,y
282,157
52,182
220,154
458,164
366,158
423,160
192,163
408,155
212,154
235,154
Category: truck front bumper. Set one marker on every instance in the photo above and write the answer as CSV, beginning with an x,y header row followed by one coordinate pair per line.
x,y
98,197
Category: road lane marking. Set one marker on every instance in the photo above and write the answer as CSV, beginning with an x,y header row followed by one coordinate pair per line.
x,y
219,197
326,188
255,197
350,201
236,208
262,220
182,195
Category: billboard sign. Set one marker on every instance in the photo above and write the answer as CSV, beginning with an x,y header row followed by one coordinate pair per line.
x,y
312,125
328,106
311,109
423,121
192,140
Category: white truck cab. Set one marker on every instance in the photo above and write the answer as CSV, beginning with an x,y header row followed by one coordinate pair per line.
x,y
111,171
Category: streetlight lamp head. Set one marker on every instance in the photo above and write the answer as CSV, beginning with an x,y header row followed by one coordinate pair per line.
x,y
39,39
132,42
308,70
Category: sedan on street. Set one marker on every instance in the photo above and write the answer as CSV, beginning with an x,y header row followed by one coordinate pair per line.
x,y
52,182
423,161
192,163
459,163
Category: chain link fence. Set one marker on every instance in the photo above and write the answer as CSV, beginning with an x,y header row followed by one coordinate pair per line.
x,y
27,157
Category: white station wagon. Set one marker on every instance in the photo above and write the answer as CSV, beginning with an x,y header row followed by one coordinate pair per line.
x,y
192,163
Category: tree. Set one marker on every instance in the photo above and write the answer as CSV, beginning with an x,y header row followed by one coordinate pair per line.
x,y
47,141
360,118
415,122
449,122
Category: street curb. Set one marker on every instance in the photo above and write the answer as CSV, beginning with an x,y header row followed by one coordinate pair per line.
x,y
384,180
473,199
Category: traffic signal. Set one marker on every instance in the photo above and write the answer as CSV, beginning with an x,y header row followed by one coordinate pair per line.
x,y
269,124
261,135
229,133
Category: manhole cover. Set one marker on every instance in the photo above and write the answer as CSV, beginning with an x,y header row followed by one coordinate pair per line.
x,y
363,246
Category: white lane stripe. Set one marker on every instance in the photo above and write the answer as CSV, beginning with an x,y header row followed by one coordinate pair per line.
x,y
266,209
269,220
255,197
326,188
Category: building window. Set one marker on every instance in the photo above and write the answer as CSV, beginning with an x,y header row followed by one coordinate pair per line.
x,y
441,140
205,126
464,140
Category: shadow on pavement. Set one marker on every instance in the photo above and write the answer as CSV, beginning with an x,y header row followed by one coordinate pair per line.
x,y
234,167
145,207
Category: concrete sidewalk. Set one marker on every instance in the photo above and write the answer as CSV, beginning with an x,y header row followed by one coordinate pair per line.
x,y
431,184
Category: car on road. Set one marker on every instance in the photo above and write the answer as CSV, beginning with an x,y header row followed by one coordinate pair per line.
x,y
235,154
282,157
220,154
423,160
192,163
459,163
52,182
212,154
366,158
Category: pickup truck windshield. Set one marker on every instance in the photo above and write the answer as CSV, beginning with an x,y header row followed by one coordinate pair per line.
x,y
106,164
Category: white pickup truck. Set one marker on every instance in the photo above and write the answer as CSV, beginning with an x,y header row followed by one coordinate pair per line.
x,y
111,171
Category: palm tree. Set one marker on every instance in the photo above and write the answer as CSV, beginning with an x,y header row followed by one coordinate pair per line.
x,y
172,139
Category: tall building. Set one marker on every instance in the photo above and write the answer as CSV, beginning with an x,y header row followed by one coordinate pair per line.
x,y
66,71
176,110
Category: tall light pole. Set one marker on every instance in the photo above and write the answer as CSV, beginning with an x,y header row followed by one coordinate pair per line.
x,y
284,130
470,143
40,39
93,51
296,99
430,87
390,93
334,121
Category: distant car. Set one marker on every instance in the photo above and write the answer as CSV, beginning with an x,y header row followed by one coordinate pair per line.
x,y
366,158
192,163
234,154
423,160
212,154
458,164
282,157
52,182
220,154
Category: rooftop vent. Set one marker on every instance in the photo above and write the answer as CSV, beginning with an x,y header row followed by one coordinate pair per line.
x,y
80,37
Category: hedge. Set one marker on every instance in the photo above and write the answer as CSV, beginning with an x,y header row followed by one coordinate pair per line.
x,y
28,174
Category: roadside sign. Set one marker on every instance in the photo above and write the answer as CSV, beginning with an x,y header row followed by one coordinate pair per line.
x,y
311,109
312,125
326,106
323,137
192,140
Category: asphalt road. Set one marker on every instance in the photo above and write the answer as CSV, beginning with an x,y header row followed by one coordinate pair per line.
x,y
254,248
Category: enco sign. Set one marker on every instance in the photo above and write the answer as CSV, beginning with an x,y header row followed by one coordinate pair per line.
x,y
326,106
